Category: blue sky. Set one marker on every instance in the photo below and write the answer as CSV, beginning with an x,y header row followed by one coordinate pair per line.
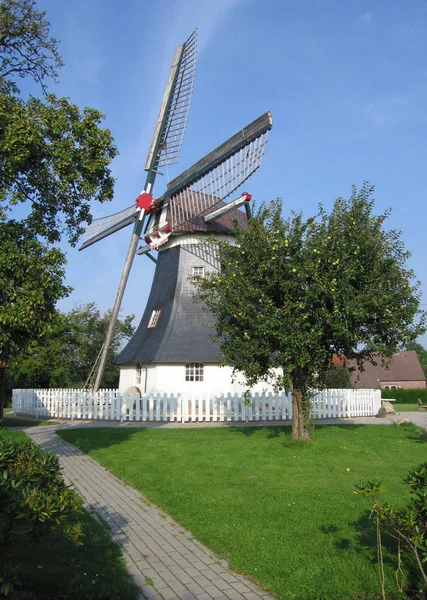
x,y
346,82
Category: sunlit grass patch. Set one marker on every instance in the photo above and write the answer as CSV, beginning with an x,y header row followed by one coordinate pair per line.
x,y
282,512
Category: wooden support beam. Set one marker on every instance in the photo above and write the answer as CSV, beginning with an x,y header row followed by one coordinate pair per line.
x,y
244,198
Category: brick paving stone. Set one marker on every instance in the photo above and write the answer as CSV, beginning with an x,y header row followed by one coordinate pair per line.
x,y
233,595
203,581
153,545
221,584
195,588
240,587
214,592
184,577
168,594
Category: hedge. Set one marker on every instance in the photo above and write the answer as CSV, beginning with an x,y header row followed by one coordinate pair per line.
x,y
405,396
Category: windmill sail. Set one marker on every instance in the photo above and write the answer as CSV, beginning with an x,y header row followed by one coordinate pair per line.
x,y
105,226
165,146
212,179
172,120
167,138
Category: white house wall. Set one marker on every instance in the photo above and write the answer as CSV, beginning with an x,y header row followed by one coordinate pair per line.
x,y
170,378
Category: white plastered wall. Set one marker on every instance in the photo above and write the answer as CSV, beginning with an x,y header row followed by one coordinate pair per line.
x,y
170,379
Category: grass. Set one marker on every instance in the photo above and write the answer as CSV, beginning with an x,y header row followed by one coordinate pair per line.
x,y
9,420
56,568
283,513
15,435
405,407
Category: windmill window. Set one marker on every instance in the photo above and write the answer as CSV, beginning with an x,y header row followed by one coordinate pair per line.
x,y
194,372
139,369
154,319
198,271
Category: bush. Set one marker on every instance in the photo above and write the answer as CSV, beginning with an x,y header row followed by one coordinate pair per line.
x,y
33,496
405,396
406,524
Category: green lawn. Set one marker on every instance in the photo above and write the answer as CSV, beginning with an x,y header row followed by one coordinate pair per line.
x,y
9,420
283,513
405,407
15,435
56,568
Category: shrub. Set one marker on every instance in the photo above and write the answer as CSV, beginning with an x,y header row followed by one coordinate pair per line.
x,y
405,396
408,524
33,496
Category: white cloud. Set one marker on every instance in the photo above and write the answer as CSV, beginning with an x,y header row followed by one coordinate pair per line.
x,y
365,17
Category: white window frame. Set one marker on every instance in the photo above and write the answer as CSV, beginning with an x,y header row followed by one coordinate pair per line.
x,y
199,271
194,372
154,319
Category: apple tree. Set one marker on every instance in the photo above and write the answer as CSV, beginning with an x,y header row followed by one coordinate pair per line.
x,y
295,292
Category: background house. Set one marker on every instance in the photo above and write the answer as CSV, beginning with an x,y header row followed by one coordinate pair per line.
x,y
404,371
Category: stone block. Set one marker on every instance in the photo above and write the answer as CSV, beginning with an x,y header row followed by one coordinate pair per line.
x,y
386,410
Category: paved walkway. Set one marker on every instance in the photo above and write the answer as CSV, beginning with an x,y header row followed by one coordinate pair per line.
x,y
164,560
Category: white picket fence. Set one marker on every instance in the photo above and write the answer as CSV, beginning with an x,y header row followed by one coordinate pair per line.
x,y
110,405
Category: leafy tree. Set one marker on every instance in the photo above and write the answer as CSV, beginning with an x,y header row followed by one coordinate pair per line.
x,y
295,293
53,156
54,161
65,355
338,377
31,276
421,353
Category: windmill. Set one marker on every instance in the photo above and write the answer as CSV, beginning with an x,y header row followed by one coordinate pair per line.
x,y
193,201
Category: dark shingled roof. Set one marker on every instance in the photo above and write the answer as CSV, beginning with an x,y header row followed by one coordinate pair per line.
x,y
181,334
404,366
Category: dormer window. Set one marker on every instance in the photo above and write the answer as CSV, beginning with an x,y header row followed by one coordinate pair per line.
x,y
154,319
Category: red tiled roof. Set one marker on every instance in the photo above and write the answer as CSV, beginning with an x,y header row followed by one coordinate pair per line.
x,y
191,208
404,366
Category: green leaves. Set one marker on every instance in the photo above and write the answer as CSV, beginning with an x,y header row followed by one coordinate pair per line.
x,y
54,161
26,50
65,355
293,293
55,157
34,497
408,524
31,276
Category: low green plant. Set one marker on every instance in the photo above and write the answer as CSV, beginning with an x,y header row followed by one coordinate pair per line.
x,y
408,525
33,496
405,396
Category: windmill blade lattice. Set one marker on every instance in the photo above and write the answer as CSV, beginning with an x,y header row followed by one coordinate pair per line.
x,y
174,110
105,226
219,174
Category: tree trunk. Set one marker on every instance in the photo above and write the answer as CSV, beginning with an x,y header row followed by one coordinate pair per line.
x,y
299,431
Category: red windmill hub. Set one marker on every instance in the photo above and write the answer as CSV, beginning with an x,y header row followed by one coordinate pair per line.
x,y
146,202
